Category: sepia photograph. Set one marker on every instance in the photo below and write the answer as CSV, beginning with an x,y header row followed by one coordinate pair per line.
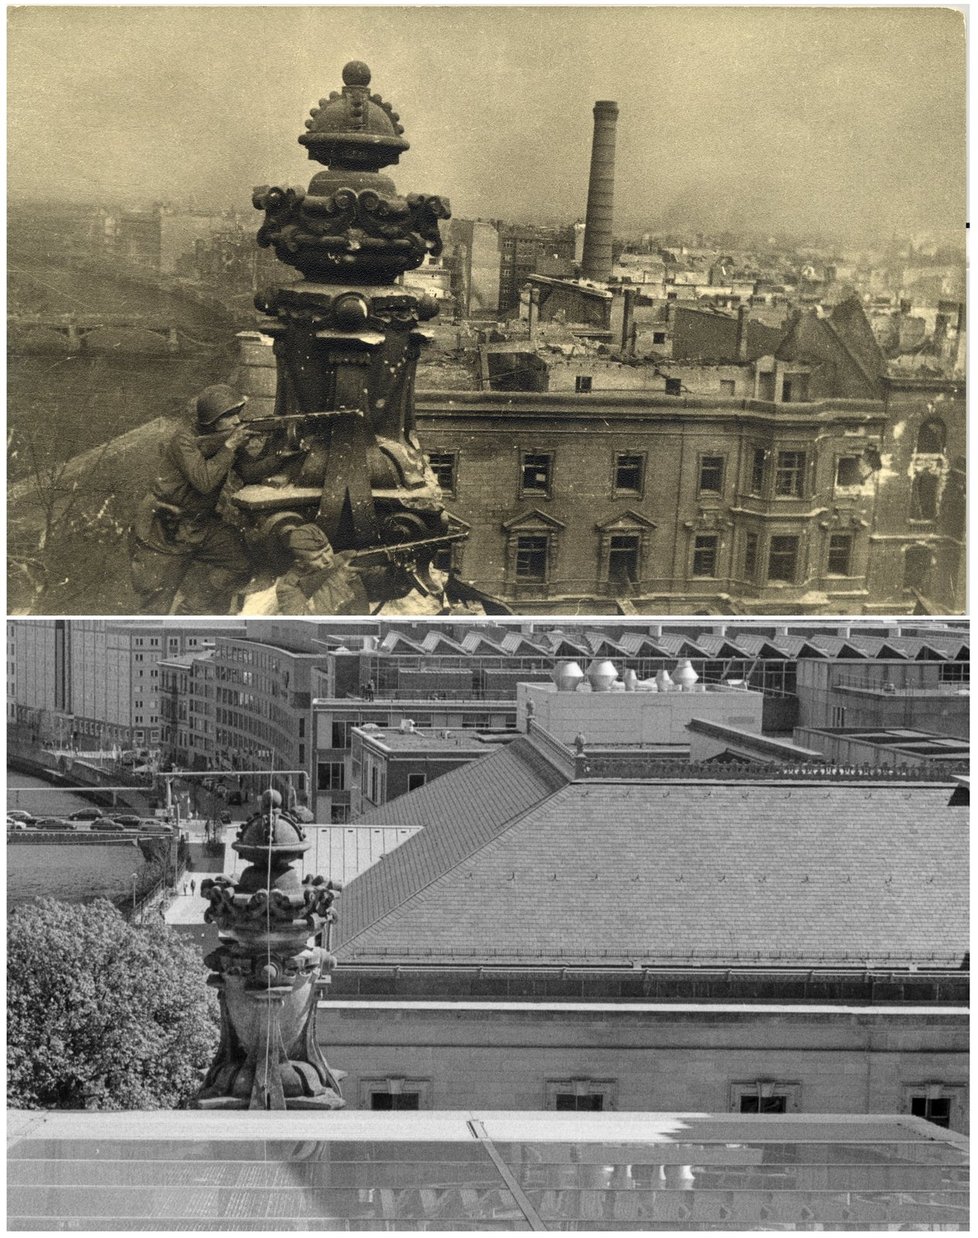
x,y
453,924
589,310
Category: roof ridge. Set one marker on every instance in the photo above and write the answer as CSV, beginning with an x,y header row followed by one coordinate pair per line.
x,y
504,827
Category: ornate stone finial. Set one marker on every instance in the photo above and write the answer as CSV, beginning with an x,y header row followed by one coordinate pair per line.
x,y
351,223
269,970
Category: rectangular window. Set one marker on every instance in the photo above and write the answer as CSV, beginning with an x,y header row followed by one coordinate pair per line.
x,y
388,1100
443,465
582,384
331,776
936,1109
758,470
531,558
416,780
339,812
789,480
728,387
623,558
848,471
588,1104
674,386
658,337
535,472
711,474
782,559
629,474
705,555
764,1104
340,735
840,554
750,556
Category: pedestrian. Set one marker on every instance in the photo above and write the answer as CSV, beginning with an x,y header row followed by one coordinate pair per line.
x,y
178,526
193,887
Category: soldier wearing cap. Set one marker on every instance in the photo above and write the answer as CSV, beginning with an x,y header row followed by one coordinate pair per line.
x,y
319,582
178,526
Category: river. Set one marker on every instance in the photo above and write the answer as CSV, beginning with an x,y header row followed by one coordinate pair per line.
x,y
72,873
61,403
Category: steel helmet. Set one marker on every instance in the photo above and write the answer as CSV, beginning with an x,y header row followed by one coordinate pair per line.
x,y
214,402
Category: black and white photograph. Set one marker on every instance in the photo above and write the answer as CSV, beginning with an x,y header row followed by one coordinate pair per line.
x,y
488,641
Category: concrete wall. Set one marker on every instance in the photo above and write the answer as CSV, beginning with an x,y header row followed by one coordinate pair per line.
x,y
855,1060
634,717
920,701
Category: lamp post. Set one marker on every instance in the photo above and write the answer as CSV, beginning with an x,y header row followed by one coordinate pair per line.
x,y
135,878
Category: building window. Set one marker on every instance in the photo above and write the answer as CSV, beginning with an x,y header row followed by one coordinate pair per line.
x,y
629,474
674,386
339,813
789,480
838,715
705,555
750,556
794,388
658,337
758,470
765,1096
531,558
340,735
711,474
935,1102
623,558
840,554
416,780
394,1093
535,472
931,437
587,1095
923,496
331,776
728,387
582,384
782,559
848,471
444,465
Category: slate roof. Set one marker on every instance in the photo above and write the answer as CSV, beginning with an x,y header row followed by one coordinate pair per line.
x,y
664,872
461,812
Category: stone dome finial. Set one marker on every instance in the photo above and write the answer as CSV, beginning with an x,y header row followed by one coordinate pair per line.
x,y
356,73
354,129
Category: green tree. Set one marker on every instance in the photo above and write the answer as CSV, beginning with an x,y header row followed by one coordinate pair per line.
x,y
100,1014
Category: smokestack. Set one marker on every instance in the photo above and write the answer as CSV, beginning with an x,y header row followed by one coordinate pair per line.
x,y
628,322
596,262
743,312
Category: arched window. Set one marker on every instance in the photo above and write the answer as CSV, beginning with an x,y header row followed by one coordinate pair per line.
x,y
931,437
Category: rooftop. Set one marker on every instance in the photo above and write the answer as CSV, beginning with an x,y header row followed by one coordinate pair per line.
x,y
432,739
521,860
460,1169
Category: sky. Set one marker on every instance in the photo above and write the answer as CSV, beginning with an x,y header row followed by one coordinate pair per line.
x,y
830,122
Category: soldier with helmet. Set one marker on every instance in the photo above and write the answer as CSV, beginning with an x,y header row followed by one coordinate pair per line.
x,y
178,526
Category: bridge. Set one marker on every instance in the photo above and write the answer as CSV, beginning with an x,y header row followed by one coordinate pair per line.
x,y
77,328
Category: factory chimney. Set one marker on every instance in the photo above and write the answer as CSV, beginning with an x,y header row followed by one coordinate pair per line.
x,y
596,260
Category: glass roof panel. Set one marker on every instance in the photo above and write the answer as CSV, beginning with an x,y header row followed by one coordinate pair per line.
x,y
691,1173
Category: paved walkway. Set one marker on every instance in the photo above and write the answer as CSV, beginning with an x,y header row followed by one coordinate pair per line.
x,y
186,909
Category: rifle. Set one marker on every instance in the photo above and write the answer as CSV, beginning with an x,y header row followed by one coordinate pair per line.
x,y
279,422
397,551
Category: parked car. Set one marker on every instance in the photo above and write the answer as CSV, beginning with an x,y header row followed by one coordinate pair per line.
x,y
55,823
85,814
128,819
19,814
15,825
109,826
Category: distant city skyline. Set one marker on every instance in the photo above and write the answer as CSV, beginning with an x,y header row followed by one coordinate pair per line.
x,y
831,122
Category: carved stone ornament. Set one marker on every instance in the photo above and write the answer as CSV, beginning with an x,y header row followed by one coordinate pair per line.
x,y
269,972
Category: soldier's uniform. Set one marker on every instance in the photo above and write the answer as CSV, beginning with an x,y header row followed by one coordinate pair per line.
x,y
177,525
319,581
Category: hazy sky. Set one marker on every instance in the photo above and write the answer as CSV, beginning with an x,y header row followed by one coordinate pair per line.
x,y
832,120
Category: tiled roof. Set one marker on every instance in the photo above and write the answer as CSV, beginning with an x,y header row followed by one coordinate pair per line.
x,y
661,872
461,812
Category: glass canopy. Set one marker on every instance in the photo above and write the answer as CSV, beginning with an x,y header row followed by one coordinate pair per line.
x,y
459,1171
